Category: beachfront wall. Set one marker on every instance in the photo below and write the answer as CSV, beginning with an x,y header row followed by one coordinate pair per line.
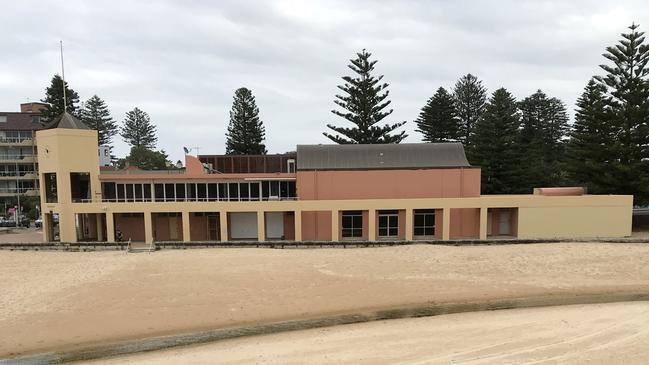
x,y
459,210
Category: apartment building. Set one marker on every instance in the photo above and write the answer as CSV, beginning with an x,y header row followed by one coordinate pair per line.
x,y
18,162
404,192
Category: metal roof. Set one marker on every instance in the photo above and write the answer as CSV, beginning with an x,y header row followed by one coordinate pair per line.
x,y
68,121
380,156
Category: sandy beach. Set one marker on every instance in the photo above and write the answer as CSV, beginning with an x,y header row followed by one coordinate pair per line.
x,y
59,300
577,334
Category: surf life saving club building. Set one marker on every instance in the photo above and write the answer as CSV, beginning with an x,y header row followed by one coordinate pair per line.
x,y
398,192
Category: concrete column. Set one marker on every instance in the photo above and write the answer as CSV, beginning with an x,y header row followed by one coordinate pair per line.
x,y
100,227
483,223
371,225
186,231
446,223
410,214
110,227
46,226
67,227
335,231
148,228
223,226
261,226
298,225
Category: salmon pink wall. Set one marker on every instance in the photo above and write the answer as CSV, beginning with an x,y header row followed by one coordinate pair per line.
x,y
316,226
289,226
386,184
131,227
465,223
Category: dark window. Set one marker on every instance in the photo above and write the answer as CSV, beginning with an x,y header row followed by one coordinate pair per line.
x,y
138,192
212,192
352,224
121,193
130,195
424,222
291,189
159,192
170,192
180,191
223,191
233,189
283,189
265,190
254,191
191,191
108,191
202,191
388,224
244,192
147,192
274,188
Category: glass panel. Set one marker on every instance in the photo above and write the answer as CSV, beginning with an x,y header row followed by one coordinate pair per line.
x,y
347,232
383,221
419,231
357,232
212,192
147,191
159,192
244,193
283,189
430,219
234,191
121,195
138,192
393,232
419,220
109,191
180,191
265,189
429,231
274,188
357,221
383,232
291,189
223,191
393,220
254,191
347,221
170,192
202,191
191,191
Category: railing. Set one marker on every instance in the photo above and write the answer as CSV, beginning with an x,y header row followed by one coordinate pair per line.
x,y
15,157
16,173
15,139
185,200
15,190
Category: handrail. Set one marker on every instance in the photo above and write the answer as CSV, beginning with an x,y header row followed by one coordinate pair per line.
x,y
183,200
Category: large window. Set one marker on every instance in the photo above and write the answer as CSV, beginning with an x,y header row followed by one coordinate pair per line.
x,y
352,224
424,222
388,223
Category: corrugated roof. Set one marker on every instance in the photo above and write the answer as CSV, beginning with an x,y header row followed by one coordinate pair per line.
x,y
66,120
380,156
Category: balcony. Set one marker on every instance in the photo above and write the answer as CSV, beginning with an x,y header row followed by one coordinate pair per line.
x,y
17,158
15,191
16,141
18,175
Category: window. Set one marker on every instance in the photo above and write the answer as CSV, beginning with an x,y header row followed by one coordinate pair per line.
x,y
159,190
3,119
388,223
170,192
223,191
424,222
212,192
180,192
51,195
352,224
290,166
108,191
147,192
129,192
138,192
254,191
121,193
244,191
202,191
233,190
191,192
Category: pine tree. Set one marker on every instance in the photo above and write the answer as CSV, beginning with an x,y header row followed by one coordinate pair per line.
x,y
95,115
138,130
364,104
628,98
470,99
438,120
544,124
589,152
246,132
54,97
494,148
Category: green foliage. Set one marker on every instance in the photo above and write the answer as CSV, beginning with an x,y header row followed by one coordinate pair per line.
x,y
627,85
145,159
438,120
54,97
470,100
138,130
494,148
589,152
246,132
364,102
28,205
95,115
544,124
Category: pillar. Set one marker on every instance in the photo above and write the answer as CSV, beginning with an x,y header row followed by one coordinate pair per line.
x,y
298,225
148,228
223,226
186,228
409,224
335,231
100,227
110,227
371,225
46,226
67,227
483,223
261,226
446,224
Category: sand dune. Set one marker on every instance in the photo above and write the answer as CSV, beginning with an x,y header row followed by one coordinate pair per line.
x,y
583,334
59,300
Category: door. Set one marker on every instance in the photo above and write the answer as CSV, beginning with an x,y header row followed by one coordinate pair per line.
x,y
213,227
173,228
504,223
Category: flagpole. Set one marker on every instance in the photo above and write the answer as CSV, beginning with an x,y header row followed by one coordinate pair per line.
x,y
65,103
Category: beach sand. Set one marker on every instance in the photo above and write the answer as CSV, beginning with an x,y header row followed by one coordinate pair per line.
x,y
61,300
604,334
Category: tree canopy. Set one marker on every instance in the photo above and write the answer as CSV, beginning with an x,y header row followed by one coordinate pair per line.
x,y
54,99
95,115
138,130
246,132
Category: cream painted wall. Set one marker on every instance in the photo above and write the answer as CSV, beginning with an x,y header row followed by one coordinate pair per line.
x,y
568,222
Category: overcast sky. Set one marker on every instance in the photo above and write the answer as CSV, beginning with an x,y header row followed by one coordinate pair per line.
x,y
181,61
